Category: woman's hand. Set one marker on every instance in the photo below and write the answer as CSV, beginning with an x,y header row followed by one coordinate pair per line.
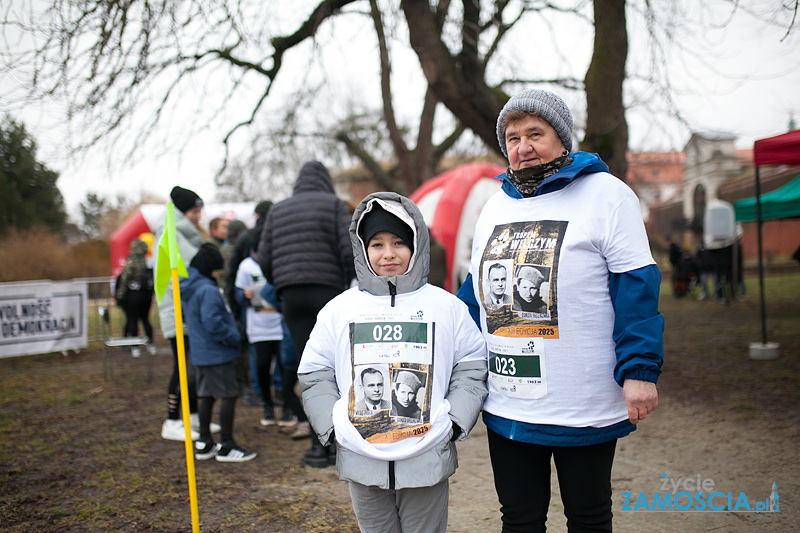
x,y
641,398
248,293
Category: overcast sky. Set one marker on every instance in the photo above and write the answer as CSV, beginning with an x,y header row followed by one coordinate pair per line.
x,y
751,91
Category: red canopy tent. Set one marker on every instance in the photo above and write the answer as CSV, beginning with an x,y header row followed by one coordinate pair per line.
x,y
779,150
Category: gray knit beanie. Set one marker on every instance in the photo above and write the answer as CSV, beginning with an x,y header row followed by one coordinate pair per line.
x,y
550,107
531,274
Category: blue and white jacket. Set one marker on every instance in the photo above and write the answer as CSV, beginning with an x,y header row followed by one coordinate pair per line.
x,y
586,203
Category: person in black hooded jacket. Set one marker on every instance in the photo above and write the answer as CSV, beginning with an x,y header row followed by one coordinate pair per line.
x,y
306,254
241,250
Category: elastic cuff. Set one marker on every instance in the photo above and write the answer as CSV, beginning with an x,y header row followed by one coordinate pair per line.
x,y
641,374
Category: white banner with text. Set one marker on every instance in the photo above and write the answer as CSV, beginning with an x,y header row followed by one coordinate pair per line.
x,y
42,317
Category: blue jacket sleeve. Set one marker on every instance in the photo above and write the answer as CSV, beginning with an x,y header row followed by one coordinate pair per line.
x,y
268,293
467,295
216,320
239,294
638,325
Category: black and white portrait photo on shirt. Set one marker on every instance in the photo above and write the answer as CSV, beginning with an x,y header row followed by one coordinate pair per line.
x,y
370,391
406,395
496,283
531,289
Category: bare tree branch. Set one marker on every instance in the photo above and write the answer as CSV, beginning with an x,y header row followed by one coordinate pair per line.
x,y
381,177
400,148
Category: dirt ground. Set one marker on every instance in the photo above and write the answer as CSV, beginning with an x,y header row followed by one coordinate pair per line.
x,y
79,452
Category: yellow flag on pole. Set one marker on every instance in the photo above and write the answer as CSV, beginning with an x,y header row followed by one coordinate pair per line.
x,y
169,255
168,266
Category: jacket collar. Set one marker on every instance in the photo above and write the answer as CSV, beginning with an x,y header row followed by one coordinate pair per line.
x,y
582,163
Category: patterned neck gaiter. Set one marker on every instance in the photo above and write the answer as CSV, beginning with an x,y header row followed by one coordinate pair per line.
x,y
527,180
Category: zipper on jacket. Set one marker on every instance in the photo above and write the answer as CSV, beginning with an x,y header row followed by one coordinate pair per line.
x,y
392,291
391,475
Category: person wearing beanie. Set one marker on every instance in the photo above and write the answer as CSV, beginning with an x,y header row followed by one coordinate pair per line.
x,y
527,294
215,345
378,219
394,328
262,209
188,210
244,246
583,340
188,203
404,395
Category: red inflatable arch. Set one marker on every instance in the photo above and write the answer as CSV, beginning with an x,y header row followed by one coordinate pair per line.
x,y
148,217
450,204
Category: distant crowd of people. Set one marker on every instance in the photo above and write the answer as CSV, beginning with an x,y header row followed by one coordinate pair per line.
x,y
554,336
717,272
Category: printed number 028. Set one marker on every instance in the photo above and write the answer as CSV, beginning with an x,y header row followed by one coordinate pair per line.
x,y
387,332
505,366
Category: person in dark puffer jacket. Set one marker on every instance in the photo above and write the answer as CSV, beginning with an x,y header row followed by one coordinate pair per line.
x,y
306,254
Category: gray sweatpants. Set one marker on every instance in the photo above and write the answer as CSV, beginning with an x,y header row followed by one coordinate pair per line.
x,y
416,510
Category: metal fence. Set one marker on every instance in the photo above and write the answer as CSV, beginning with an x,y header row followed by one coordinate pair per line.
x,y
100,293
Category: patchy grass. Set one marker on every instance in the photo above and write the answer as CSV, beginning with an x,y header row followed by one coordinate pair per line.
x,y
79,453
707,349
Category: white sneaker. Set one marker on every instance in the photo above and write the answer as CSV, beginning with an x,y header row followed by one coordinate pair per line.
x,y
205,450
173,430
234,454
194,420
136,351
151,349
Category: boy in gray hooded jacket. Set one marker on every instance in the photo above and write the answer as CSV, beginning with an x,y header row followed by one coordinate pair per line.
x,y
430,356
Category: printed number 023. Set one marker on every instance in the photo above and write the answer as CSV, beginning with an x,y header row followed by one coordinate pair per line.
x,y
387,332
505,365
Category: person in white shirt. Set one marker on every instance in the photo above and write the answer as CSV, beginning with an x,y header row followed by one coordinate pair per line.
x,y
263,325
421,338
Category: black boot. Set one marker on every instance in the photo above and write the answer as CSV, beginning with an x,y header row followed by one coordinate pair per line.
x,y
316,456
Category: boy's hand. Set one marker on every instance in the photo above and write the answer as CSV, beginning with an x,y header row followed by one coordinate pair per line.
x,y
248,293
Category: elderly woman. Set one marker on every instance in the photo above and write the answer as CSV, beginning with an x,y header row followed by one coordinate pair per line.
x,y
564,385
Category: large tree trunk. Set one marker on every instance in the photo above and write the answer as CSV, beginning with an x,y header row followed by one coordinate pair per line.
x,y
606,127
457,82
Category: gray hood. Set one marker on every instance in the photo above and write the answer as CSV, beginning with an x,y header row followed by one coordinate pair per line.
x,y
417,274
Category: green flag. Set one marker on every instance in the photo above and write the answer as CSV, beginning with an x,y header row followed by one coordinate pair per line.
x,y
169,255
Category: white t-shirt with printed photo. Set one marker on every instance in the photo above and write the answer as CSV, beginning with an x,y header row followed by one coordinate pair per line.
x,y
553,363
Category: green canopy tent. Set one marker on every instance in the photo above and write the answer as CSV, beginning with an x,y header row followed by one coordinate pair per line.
x,y
780,203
